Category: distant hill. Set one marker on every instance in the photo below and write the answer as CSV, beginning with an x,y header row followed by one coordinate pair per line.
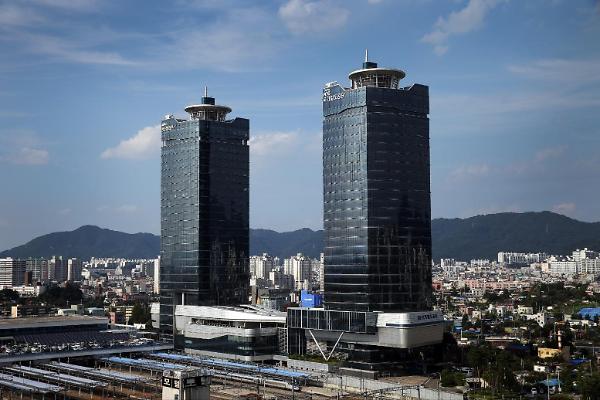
x,y
286,244
482,236
89,241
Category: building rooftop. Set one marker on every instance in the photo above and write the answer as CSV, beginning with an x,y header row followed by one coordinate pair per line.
x,y
240,313
208,110
33,322
372,75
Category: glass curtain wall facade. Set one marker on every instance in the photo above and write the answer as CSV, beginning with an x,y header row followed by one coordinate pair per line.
x,y
204,211
377,206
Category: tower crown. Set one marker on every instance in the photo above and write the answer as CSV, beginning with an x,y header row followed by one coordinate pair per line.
x,y
208,110
372,75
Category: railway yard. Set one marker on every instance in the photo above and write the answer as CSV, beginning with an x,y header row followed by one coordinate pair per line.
x,y
140,377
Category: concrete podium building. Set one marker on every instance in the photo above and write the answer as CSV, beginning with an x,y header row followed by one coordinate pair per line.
x,y
377,224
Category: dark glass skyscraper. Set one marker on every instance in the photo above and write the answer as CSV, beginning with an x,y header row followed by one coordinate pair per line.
x,y
204,210
377,204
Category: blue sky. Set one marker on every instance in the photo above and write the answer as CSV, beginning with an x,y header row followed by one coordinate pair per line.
x,y
514,86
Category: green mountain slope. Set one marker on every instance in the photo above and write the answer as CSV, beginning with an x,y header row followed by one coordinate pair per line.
x,y
482,236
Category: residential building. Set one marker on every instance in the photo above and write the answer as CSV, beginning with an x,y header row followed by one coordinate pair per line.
x,y
299,266
261,266
156,275
74,266
57,269
12,272
512,258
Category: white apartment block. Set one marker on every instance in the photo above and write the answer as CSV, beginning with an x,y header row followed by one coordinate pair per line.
x,y
157,275
585,254
261,266
520,258
563,267
12,272
589,266
299,266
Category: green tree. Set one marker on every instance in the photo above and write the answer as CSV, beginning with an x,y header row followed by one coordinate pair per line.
x,y
8,295
589,386
479,357
450,378
62,296
140,314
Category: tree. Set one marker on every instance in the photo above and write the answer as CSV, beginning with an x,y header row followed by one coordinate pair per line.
x,y
479,357
62,296
139,314
450,378
8,295
589,386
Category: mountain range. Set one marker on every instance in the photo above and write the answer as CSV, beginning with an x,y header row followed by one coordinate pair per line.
x,y
482,236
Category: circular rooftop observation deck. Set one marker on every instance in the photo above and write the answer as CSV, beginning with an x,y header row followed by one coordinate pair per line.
x,y
371,75
208,111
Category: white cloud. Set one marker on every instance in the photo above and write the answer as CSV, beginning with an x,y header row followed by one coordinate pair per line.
x,y
304,16
270,144
549,152
20,22
12,15
64,211
126,208
22,147
470,171
71,5
498,104
560,70
27,156
230,50
459,22
123,209
145,143
71,51
239,39
564,208
537,163
493,209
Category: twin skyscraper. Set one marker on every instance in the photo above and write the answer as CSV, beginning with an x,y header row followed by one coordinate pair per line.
x,y
377,214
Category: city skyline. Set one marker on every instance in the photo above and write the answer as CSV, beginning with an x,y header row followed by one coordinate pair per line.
x,y
512,129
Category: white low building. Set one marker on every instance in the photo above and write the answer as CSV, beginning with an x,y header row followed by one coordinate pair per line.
x,y
245,333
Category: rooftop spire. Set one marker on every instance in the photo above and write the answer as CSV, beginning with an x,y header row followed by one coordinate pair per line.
x,y
367,63
206,99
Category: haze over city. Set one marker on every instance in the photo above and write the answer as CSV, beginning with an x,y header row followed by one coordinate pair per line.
x,y
84,85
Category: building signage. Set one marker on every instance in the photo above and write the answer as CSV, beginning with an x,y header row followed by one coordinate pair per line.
x,y
426,317
170,382
328,96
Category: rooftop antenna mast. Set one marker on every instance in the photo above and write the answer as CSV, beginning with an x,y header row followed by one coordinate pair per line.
x,y
366,55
